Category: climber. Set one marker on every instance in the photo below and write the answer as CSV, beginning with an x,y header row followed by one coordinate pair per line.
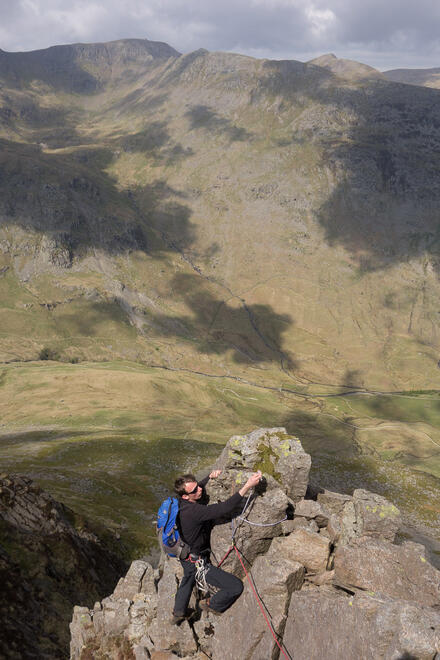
x,y
195,522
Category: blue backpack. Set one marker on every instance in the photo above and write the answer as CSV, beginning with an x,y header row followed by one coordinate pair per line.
x,y
167,532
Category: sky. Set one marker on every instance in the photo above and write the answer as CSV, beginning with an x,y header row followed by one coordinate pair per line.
x,y
386,34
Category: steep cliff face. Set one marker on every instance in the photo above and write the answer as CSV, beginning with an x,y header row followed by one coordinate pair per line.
x,y
331,578
46,564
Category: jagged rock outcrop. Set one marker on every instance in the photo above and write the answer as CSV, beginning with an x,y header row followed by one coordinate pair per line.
x,y
46,565
331,581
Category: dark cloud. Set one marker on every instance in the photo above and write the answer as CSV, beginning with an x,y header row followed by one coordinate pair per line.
x,y
383,34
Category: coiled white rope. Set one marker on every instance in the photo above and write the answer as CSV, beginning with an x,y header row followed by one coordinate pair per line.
x,y
201,569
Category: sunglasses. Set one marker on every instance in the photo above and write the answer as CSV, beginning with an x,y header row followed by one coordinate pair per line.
x,y
194,490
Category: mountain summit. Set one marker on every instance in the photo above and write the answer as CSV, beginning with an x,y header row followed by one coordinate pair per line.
x,y
346,68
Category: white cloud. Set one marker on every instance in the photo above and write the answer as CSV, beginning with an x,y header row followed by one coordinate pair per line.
x,y
320,20
387,34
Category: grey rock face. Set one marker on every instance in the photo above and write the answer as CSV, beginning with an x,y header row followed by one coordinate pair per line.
x,y
30,509
326,624
334,529
139,579
164,635
381,567
81,630
303,523
274,583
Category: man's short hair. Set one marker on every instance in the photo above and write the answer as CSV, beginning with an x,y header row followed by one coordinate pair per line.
x,y
179,484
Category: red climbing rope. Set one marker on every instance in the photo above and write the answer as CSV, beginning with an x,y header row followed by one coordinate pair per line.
x,y
258,599
225,557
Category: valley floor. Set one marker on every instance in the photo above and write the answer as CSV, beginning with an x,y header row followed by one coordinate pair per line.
x,y
108,439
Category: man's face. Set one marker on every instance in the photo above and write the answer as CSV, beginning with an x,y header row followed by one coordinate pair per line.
x,y
193,491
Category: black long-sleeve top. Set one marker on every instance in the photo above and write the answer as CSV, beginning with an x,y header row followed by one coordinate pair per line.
x,y
197,520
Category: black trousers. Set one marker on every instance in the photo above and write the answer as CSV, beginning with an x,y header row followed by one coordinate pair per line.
x,y
229,588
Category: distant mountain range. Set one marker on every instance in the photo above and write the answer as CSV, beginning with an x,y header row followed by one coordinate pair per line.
x,y
421,77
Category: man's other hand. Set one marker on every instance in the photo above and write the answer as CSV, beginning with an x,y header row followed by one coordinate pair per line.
x,y
214,474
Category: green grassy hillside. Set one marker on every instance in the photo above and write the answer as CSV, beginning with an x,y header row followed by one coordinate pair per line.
x,y
108,439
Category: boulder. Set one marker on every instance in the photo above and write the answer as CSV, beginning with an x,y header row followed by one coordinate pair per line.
x,y
375,515
369,514
312,511
323,623
274,583
382,567
333,503
273,451
308,548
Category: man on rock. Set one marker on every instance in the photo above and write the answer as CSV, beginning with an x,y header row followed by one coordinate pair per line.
x,y
195,522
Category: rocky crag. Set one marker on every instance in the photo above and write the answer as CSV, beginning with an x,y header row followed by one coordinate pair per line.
x,y
333,580
48,561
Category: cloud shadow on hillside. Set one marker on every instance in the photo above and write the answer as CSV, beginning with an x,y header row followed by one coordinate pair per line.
x,y
155,142
55,67
73,201
201,116
380,146
253,333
